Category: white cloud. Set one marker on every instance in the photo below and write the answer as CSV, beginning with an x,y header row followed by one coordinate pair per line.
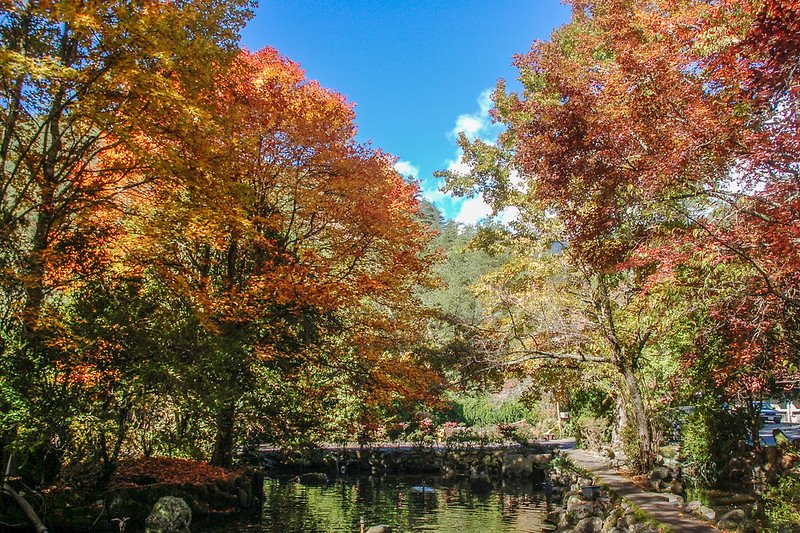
x,y
477,125
473,210
458,165
469,125
434,195
485,101
429,189
407,169
508,215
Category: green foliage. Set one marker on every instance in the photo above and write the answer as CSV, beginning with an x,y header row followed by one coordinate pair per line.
x,y
591,402
710,435
782,504
463,264
592,432
483,411
630,446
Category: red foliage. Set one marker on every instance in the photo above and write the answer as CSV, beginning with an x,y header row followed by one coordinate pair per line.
x,y
154,470
666,133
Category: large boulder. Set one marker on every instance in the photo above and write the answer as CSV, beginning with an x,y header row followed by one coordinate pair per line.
x,y
590,524
660,473
383,528
732,519
169,515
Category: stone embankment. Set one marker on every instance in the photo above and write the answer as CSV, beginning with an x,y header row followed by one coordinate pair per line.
x,y
473,463
580,505
213,499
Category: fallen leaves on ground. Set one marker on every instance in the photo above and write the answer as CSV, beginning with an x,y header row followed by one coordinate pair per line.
x,y
152,470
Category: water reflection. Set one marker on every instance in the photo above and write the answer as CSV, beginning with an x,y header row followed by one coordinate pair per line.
x,y
450,507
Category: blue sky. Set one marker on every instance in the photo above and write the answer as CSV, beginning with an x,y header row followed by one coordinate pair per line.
x,y
418,71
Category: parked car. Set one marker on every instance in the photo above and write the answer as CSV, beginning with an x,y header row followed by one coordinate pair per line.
x,y
768,415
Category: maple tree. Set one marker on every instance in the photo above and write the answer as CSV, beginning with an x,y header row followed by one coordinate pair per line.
x,y
303,255
92,94
657,132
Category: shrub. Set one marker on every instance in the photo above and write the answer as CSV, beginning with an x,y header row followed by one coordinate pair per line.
x,y
710,436
483,411
593,402
630,446
592,432
782,503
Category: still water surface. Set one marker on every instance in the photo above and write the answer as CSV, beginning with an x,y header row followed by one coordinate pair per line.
x,y
452,507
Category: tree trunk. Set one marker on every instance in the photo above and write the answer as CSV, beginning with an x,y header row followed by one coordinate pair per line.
x,y
620,423
640,417
223,443
753,420
34,519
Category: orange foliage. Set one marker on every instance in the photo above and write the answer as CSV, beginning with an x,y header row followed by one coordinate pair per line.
x,y
154,470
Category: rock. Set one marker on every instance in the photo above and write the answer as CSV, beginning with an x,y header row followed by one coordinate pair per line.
x,y
578,509
589,525
554,516
674,499
383,528
563,522
169,515
732,519
313,478
660,473
541,458
610,522
677,487
517,465
692,506
706,512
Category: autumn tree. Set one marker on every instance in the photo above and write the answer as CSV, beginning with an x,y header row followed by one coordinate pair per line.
x,y
656,133
301,256
90,93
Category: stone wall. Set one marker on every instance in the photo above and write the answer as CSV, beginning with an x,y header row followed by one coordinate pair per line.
x,y
475,463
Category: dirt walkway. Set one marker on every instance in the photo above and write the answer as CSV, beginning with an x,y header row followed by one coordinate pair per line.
x,y
652,503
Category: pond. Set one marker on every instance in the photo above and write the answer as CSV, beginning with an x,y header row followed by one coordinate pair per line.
x,y
402,503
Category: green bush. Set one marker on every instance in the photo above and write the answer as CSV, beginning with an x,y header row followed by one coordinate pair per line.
x,y
630,445
710,436
592,402
782,504
483,411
